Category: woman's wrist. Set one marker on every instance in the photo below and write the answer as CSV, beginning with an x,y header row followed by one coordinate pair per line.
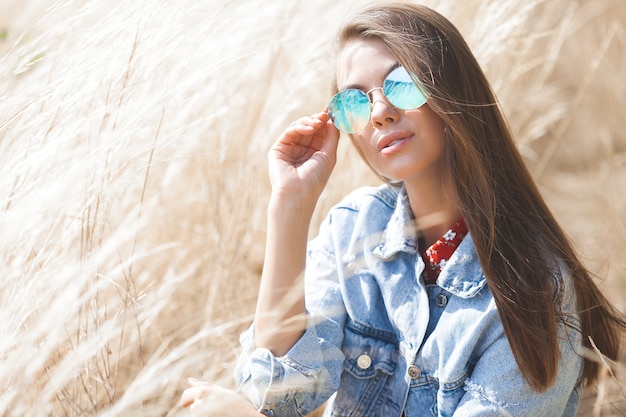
x,y
289,205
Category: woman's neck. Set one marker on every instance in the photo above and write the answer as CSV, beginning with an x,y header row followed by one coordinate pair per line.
x,y
435,209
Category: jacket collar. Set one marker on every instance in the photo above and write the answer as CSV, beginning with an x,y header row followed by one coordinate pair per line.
x,y
462,274
399,234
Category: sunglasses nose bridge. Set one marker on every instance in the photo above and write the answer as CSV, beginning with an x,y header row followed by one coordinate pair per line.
x,y
370,93
381,99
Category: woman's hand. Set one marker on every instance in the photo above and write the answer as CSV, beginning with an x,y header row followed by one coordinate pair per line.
x,y
303,157
205,399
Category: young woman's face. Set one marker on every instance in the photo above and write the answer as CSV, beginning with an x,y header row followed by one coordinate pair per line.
x,y
405,145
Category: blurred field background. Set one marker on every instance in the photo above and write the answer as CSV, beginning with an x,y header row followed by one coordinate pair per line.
x,y
133,140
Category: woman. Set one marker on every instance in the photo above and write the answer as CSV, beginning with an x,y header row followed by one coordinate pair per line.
x,y
450,289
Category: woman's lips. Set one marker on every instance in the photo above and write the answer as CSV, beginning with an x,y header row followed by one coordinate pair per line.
x,y
393,140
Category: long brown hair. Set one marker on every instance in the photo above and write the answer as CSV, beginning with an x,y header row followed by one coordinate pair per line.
x,y
517,238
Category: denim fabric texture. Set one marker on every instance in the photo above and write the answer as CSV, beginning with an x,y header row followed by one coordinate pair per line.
x,y
379,342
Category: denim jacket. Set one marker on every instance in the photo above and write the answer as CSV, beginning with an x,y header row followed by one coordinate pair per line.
x,y
379,342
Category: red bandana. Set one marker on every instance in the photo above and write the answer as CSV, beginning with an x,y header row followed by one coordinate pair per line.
x,y
437,255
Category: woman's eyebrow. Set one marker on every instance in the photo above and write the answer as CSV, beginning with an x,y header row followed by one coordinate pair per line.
x,y
360,87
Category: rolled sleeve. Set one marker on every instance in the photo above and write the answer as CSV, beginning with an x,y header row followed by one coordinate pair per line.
x,y
298,382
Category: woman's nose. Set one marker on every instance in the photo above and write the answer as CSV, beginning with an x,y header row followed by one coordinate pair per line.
x,y
383,112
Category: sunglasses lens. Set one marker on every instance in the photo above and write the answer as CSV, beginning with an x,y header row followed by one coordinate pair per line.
x,y
350,110
401,91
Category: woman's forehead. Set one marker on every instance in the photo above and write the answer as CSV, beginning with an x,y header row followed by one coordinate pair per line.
x,y
363,61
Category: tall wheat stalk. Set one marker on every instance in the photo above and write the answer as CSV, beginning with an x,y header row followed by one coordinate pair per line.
x,y
133,188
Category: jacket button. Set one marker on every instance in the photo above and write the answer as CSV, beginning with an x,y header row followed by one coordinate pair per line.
x,y
442,300
414,372
364,361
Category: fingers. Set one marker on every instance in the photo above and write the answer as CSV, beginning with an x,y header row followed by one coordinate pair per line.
x,y
306,126
193,394
197,391
190,395
316,119
206,399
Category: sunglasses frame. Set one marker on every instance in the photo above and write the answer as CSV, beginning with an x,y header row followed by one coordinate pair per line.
x,y
343,116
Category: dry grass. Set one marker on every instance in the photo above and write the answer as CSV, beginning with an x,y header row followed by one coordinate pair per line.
x,y
133,188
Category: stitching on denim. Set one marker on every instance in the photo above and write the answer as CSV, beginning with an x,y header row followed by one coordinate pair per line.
x,y
452,385
305,370
364,330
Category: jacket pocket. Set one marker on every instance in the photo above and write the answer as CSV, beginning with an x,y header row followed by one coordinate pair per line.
x,y
449,395
370,362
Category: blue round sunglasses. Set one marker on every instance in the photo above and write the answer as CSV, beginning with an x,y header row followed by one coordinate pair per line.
x,y
350,110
